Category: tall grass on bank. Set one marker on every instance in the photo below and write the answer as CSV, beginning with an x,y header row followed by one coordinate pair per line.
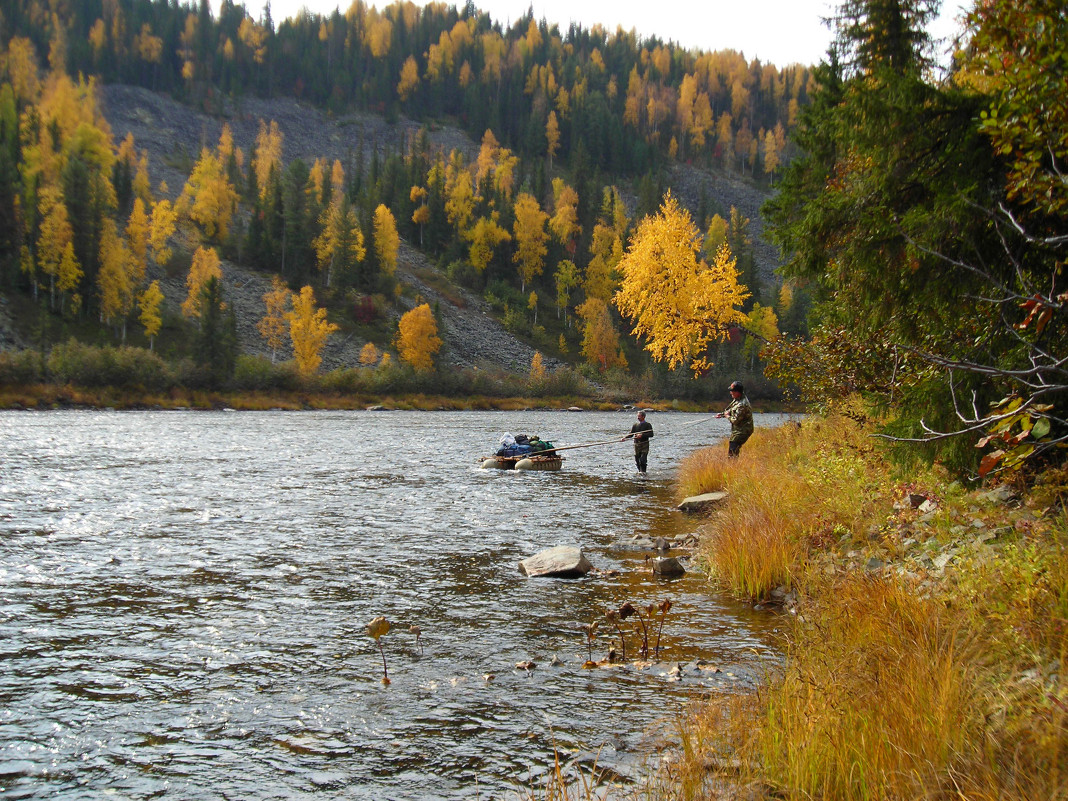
x,y
942,684
791,487
880,700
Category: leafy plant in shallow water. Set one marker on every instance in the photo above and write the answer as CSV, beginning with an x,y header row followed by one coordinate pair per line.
x,y
663,607
613,616
591,634
377,628
629,609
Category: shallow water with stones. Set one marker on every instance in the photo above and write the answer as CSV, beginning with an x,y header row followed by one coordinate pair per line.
x,y
184,599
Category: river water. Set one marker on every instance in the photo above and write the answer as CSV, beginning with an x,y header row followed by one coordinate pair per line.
x,y
184,599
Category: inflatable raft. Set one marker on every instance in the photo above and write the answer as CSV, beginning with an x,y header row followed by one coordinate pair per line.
x,y
526,462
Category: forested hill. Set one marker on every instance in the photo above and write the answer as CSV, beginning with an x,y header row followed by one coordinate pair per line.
x,y
616,101
371,161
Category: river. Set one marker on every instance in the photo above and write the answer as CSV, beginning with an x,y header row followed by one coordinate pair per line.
x,y
184,599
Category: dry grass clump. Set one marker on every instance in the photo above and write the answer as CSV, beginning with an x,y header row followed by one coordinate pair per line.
x,y
881,699
792,487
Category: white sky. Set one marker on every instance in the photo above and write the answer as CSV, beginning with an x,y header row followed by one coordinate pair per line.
x,y
778,31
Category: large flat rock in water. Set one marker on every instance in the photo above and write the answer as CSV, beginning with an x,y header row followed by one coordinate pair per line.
x,y
699,503
563,561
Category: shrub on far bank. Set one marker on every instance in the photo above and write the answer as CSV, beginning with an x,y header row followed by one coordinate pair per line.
x,y
21,367
122,367
258,373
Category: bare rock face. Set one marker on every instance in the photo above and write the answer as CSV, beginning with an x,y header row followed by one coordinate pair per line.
x,y
563,561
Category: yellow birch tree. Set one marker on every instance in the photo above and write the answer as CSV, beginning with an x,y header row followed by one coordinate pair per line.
x,y
268,154
537,368
114,280
164,219
208,197
138,230
150,301
676,301
369,355
274,326
205,266
309,330
530,238
484,237
600,340
417,338
564,222
386,239
552,137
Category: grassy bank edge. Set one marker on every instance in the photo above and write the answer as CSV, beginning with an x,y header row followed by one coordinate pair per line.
x,y
925,653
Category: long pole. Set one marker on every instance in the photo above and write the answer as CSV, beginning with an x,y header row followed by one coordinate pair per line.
x,y
570,447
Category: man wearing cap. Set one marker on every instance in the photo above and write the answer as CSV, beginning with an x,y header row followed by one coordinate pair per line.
x,y
740,413
641,432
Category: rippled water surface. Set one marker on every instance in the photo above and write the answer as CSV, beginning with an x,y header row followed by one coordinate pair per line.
x,y
184,599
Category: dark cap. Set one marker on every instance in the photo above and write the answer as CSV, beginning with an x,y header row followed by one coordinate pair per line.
x,y
735,387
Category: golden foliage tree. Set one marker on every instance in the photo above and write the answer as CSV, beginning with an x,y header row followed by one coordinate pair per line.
x,y
484,237
537,368
409,78
268,154
150,302
600,340
309,330
676,301
22,69
460,196
205,266
552,137
138,230
761,326
386,239
53,238
274,326
771,155
114,279
530,238
341,244
209,198
417,337
369,355
164,219
715,236
566,278
564,222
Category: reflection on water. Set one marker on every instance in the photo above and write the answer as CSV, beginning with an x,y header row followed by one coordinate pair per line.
x,y
185,596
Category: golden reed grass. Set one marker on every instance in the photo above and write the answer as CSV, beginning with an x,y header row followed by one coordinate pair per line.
x,y
958,694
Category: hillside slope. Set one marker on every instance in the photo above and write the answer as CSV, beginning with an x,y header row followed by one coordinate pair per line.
x,y
173,135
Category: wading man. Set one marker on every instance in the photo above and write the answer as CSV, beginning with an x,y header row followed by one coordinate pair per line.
x,y
641,432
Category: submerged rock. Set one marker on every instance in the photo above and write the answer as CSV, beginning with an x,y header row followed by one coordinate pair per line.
x,y
668,566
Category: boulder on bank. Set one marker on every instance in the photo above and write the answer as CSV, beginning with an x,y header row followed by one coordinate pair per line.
x,y
700,503
563,561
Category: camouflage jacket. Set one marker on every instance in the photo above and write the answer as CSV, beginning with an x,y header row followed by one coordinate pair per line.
x,y
740,413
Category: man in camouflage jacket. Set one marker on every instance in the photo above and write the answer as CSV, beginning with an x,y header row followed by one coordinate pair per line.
x,y
740,414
